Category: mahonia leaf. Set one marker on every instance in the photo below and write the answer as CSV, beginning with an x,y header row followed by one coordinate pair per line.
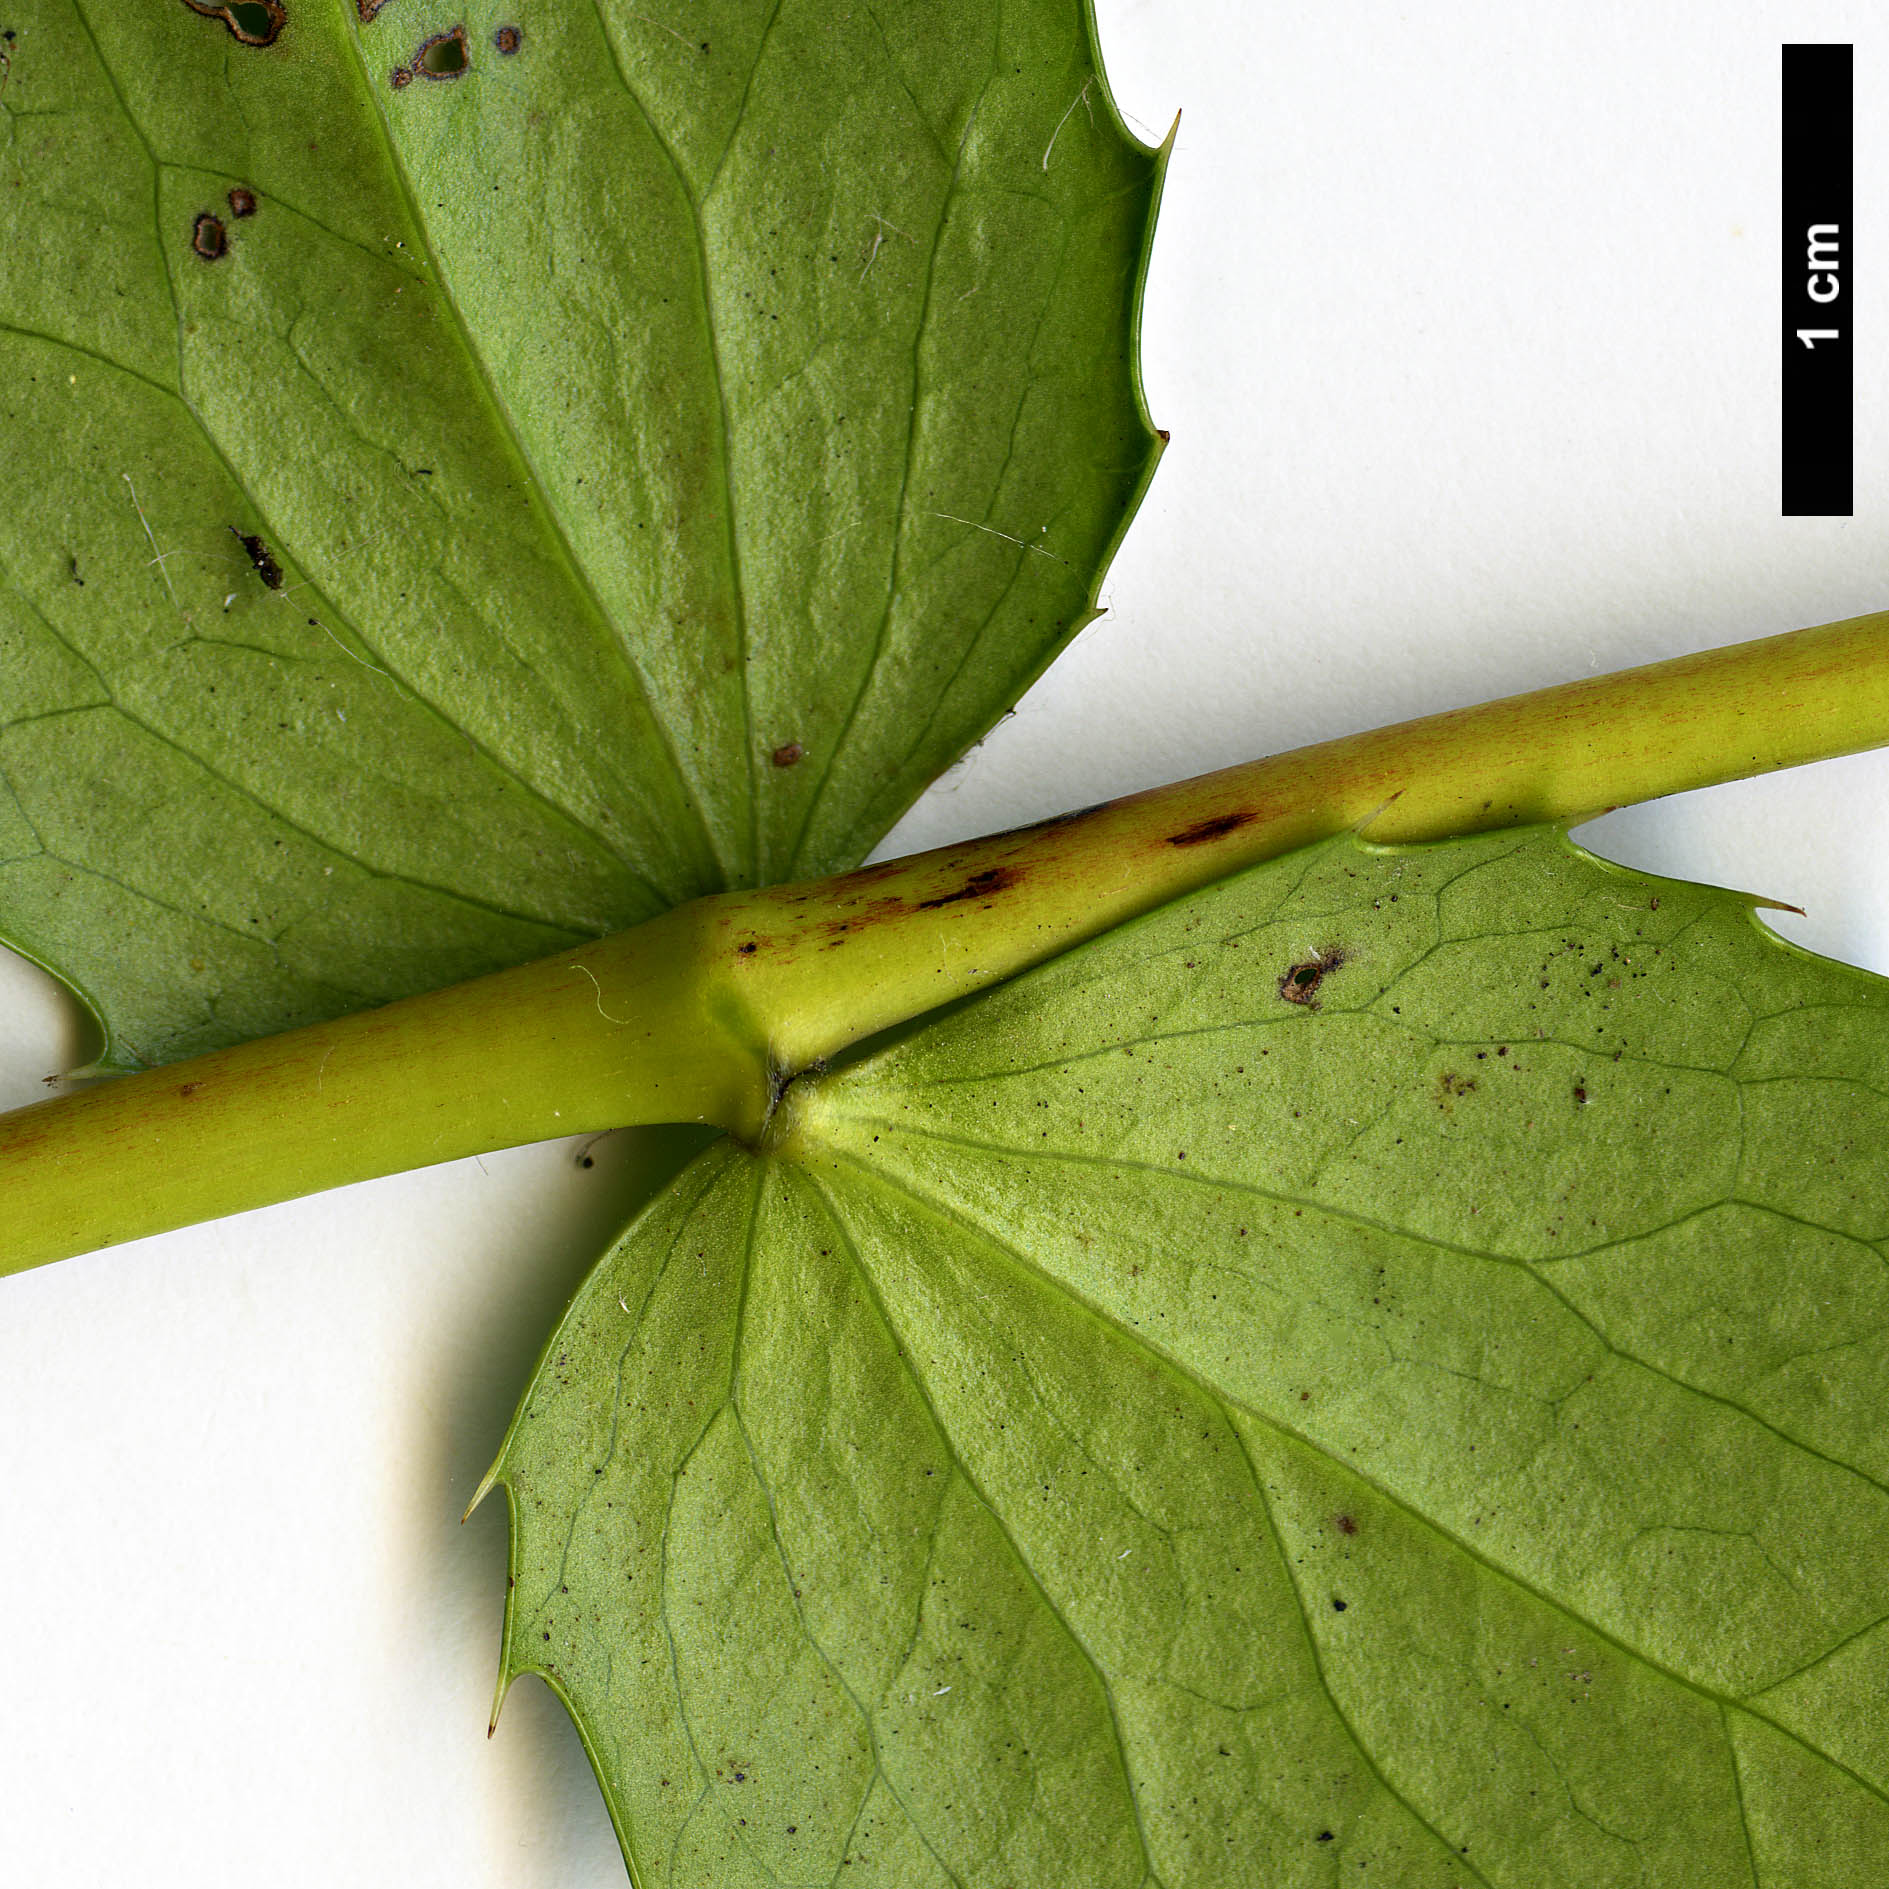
x,y
475,479
1376,1371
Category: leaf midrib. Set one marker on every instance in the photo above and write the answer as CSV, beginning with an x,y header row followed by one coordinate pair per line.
x,y
946,200
1346,1216
724,443
513,439
157,166
870,1286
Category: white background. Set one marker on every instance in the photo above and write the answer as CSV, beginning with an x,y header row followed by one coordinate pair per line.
x,y
1463,320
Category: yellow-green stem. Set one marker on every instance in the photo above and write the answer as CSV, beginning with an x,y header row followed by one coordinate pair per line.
x,y
519,1056
702,1015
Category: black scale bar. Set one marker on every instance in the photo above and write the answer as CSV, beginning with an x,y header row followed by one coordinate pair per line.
x,y
1819,290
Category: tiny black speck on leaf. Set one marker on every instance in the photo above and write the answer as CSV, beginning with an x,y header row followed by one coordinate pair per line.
x,y
1338,1606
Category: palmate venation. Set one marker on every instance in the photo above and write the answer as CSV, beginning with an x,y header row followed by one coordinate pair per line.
x,y
1140,1428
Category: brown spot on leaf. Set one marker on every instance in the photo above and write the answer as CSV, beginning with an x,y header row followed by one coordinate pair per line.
x,y
993,879
1204,830
1299,983
1344,1525
367,9
253,22
189,1088
400,78
209,238
788,754
508,39
242,201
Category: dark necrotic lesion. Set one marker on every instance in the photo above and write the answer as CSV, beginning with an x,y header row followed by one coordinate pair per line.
x,y
1202,831
260,556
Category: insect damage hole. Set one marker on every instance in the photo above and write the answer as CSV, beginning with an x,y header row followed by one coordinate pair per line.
x,y
253,22
444,56
209,238
1299,983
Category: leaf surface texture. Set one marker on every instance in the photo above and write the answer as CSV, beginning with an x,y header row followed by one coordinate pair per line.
x,y
1373,1372
474,480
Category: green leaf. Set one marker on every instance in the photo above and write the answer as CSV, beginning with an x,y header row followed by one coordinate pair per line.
x,y
474,480
1375,1371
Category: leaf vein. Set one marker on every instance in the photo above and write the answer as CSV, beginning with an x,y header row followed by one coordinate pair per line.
x,y
1025,1565
1313,1653
949,1212
882,632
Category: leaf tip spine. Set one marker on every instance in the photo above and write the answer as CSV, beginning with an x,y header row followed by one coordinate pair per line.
x,y
487,1483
